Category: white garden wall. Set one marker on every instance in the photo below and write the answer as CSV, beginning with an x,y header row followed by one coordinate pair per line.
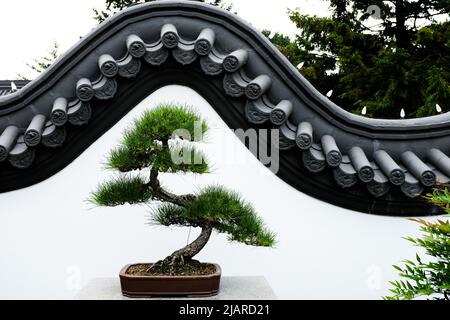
x,y
52,241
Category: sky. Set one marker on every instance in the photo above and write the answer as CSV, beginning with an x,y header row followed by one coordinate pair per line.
x,y
30,27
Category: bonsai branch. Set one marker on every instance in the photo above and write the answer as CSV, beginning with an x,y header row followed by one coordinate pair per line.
x,y
166,196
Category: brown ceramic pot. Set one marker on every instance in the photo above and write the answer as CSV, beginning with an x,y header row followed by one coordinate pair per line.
x,y
173,286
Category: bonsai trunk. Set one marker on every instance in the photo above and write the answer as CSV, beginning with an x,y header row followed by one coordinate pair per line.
x,y
191,250
180,257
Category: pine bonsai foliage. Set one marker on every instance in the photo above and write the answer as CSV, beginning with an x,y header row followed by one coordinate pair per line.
x,y
150,148
429,278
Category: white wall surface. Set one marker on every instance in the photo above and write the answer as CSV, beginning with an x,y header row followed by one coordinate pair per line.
x,y
52,241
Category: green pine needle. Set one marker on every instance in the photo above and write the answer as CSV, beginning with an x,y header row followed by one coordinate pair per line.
x,y
178,158
160,123
120,191
168,214
122,159
150,142
225,211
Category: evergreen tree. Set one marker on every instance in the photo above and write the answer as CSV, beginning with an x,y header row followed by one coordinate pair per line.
x,y
150,147
397,57
113,6
39,65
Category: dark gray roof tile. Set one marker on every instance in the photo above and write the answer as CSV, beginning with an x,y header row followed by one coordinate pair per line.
x,y
288,136
7,141
441,178
84,90
389,167
205,42
156,54
314,159
212,64
79,113
362,164
440,160
258,86
21,156
412,187
136,46
418,168
331,150
380,185
108,66
53,136
345,174
235,60
281,113
258,111
129,67
58,115
169,36
33,134
305,137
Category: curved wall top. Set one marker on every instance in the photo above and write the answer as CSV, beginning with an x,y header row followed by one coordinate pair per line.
x,y
370,165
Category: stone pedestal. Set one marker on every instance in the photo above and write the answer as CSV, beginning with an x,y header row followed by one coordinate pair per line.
x,y
231,288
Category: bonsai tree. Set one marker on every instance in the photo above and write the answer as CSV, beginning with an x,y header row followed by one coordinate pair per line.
x,y
149,149
428,278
